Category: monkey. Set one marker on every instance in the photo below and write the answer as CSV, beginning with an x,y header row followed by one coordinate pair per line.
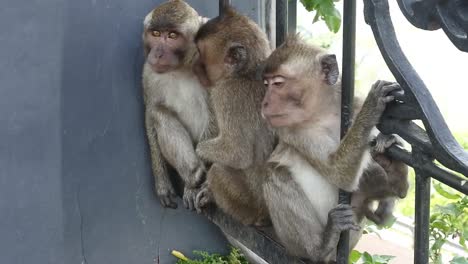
x,y
231,50
382,181
177,111
310,163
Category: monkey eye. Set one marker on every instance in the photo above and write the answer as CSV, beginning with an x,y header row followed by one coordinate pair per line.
x,y
265,82
278,81
156,33
173,35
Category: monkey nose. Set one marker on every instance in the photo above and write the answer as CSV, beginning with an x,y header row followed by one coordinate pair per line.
x,y
265,104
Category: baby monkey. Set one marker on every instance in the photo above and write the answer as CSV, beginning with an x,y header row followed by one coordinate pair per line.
x,y
383,181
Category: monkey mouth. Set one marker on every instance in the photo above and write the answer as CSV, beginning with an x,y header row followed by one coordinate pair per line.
x,y
161,68
275,120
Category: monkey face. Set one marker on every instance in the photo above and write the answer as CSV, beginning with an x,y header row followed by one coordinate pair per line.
x,y
300,83
165,49
283,105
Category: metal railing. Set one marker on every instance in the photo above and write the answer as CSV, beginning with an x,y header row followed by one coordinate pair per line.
x,y
434,142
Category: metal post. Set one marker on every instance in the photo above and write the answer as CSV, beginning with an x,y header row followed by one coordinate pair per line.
x,y
292,17
347,94
422,213
281,21
222,5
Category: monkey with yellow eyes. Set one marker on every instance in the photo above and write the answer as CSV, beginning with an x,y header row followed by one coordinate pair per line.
x,y
177,114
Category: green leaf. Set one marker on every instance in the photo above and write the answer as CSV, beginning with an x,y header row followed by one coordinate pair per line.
x,y
439,224
459,260
367,258
449,195
333,21
354,256
449,209
382,259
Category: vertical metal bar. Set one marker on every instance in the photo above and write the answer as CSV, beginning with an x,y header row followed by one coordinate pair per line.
x,y
292,16
222,5
422,214
347,95
270,18
281,21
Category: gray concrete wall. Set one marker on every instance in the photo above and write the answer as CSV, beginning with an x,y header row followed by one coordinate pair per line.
x,y
75,177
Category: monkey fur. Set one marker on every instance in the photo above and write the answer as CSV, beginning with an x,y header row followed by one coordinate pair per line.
x,y
310,163
383,181
177,114
232,47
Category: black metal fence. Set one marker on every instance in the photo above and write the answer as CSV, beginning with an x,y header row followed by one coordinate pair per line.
x,y
432,143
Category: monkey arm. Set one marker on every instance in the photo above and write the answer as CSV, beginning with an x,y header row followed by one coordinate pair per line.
x,y
228,151
176,145
163,185
344,165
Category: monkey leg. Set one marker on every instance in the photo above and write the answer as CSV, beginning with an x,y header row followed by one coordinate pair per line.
x,y
230,191
163,185
297,223
384,212
177,148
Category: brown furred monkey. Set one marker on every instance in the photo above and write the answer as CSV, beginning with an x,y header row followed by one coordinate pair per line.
x,y
310,163
231,49
177,113
383,181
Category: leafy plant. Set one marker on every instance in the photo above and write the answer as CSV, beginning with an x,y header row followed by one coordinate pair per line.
x,y
234,257
366,258
448,221
324,10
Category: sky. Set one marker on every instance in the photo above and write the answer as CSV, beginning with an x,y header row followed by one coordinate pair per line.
x,y
442,67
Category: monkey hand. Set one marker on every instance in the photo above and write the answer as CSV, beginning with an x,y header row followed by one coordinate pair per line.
x,y
167,195
204,198
205,150
383,142
189,197
341,218
378,97
220,151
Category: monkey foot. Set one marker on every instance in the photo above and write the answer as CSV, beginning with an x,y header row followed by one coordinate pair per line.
x,y
341,218
189,197
203,199
383,142
167,197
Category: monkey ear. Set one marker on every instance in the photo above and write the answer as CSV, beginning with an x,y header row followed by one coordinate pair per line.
x,y
259,70
236,55
330,68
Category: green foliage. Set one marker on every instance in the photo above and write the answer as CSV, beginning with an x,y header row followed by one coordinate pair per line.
x,y
324,10
366,258
459,260
449,213
448,221
234,257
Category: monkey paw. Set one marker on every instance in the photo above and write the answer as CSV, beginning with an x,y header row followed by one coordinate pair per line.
x,y
198,174
204,198
341,218
190,194
167,197
381,94
383,142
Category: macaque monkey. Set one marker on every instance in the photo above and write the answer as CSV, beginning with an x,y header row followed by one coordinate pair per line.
x,y
310,163
383,181
231,49
177,113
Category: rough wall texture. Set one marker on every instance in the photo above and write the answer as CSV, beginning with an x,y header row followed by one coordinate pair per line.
x,y
75,178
